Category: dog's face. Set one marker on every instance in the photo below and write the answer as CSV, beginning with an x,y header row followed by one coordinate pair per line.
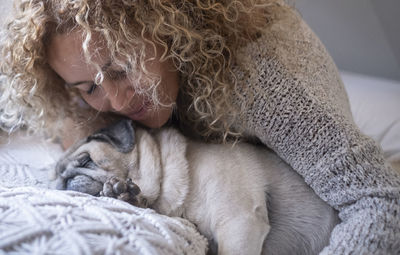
x,y
91,162
124,151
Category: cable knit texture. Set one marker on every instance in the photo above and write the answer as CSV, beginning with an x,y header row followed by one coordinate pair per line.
x,y
297,105
43,221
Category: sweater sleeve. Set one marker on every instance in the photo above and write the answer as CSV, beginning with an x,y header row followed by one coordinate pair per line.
x,y
296,104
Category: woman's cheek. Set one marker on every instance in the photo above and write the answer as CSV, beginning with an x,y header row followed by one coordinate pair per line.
x,y
96,102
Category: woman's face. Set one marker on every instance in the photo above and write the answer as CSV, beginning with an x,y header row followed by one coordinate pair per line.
x,y
116,93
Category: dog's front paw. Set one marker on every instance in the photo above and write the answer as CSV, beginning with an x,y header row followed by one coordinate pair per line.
x,y
124,190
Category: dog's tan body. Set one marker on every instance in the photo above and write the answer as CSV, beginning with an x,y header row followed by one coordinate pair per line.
x,y
223,189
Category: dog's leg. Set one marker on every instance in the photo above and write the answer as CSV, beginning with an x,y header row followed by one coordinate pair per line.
x,y
120,189
244,234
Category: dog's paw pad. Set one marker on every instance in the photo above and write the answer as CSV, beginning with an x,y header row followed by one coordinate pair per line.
x,y
107,190
125,190
124,197
120,187
132,188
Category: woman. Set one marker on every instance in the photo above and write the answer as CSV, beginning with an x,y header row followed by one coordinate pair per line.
x,y
222,70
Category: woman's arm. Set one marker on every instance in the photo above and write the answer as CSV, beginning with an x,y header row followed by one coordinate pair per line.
x,y
299,108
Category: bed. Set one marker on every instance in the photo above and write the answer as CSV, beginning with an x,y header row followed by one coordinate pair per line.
x,y
36,219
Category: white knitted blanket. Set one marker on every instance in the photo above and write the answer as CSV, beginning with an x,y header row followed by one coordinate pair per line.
x,y
35,219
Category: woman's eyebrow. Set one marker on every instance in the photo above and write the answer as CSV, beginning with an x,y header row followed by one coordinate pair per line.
x,y
103,68
77,83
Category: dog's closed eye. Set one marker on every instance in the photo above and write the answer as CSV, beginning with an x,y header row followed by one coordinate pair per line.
x,y
85,161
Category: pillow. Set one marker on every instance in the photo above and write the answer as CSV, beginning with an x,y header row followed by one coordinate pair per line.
x,y
44,221
27,161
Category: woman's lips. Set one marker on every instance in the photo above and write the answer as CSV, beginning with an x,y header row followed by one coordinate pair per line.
x,y
139,114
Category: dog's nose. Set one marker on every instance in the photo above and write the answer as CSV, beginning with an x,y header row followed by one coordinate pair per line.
x,y
85,184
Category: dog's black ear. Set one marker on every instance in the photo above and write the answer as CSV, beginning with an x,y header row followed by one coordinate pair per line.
x,y
121,135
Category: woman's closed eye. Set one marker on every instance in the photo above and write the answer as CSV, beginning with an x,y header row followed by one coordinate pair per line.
x,y
92,88
88,88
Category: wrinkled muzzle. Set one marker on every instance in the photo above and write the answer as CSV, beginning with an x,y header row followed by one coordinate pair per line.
x,y
81,179
85,184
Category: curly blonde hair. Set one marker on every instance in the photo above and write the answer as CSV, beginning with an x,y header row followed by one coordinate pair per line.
x,y
200,36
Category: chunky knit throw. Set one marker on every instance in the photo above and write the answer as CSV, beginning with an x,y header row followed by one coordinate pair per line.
x,y
35,219
43,221
300,110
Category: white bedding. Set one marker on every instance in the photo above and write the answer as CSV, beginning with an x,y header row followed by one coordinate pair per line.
x,y
27,161
71,223
44,221
36,219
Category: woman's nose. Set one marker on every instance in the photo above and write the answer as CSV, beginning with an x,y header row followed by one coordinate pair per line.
x,y
117,96
117,103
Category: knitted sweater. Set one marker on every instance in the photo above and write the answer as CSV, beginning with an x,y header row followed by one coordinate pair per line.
x,y
301,111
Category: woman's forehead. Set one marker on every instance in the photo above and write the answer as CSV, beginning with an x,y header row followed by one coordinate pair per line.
x,y
70,47
66,57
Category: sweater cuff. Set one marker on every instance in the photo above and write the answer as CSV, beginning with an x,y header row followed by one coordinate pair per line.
x,y
369,226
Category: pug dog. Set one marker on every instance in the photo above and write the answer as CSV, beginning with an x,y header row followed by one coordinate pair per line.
x,y
243,198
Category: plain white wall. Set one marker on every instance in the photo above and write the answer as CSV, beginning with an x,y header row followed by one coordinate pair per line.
x,y
362,36
5,9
